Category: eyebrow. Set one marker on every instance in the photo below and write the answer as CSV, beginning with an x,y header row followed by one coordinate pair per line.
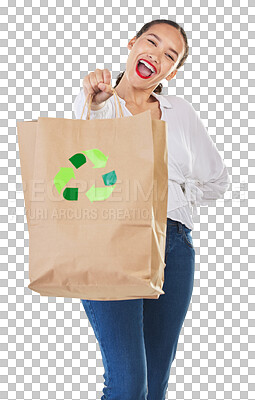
x,y
158,38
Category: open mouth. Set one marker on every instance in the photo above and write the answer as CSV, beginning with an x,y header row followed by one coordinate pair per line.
x,y
143,70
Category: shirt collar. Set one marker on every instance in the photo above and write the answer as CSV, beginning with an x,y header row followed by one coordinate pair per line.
x,y
162,100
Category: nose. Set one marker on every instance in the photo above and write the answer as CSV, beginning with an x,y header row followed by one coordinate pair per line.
x,y
153,59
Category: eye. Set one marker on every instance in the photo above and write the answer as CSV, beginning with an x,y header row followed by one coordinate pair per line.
x,y
151,41
154,43
170,57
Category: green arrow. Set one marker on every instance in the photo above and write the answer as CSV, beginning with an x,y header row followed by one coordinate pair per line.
x,y
63,177
99,194
110,178
70,193
78,160
97,157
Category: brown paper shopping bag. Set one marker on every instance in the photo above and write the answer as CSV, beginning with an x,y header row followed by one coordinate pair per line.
x,y
96,204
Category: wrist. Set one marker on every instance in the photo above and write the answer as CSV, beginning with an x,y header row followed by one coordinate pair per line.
x,y
97,106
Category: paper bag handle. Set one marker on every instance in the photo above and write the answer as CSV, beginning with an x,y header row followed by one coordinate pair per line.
x,y
89,96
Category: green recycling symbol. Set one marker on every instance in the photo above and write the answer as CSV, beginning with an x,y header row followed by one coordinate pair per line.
x,y
99,160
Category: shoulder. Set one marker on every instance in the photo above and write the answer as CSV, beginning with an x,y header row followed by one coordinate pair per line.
x,y
184,110
179,103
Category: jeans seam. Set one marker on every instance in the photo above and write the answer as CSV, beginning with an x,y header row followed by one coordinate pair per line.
x,y
102,345
167,244
186,239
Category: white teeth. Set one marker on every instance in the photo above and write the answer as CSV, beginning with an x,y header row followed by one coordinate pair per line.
x,y
147,65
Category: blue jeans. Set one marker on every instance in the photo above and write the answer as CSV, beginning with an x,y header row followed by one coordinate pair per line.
x,y
138,337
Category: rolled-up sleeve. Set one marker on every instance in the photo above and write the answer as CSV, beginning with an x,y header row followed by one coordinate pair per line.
x,y
78,104
209,178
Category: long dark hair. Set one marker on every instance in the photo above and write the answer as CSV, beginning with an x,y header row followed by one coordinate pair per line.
x,y
158,89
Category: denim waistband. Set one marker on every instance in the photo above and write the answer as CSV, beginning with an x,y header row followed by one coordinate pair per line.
x,y
178,224
173,221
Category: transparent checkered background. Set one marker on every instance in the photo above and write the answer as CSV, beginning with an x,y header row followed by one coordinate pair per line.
x,y
48,348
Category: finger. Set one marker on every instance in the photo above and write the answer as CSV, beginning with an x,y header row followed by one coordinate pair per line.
x,y
107,76
106,85
88,89
99,76
105,88
96,78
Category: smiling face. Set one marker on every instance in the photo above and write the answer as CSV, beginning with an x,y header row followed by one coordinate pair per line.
x,y
162,46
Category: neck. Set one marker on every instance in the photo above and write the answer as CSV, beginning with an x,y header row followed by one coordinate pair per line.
x,y
132,95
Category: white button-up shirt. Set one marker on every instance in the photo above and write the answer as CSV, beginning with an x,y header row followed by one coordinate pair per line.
x,y
196,171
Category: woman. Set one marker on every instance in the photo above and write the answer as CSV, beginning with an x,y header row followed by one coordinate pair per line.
x,y
138,338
